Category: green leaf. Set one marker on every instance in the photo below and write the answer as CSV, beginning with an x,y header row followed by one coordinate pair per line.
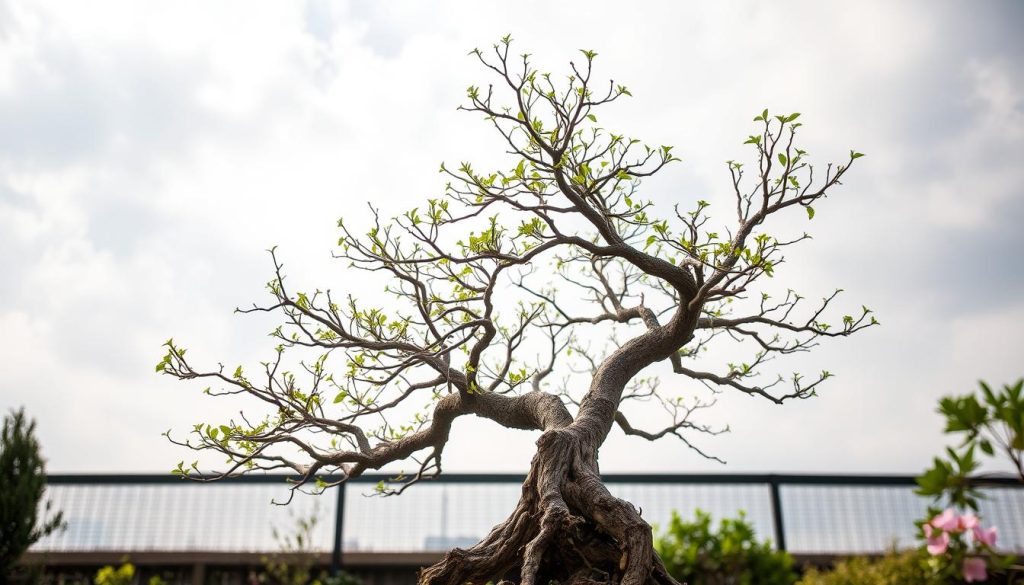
x,y
810,211
762,117
238,372
341,396
592,118
934,480
855,155
782,159
986,447
792,117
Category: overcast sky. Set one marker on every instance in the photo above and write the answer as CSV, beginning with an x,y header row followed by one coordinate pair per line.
x,y
151,152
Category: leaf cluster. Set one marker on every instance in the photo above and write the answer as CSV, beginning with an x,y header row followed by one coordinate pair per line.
x,y
989,422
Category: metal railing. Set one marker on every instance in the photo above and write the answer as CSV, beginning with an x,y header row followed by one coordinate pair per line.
x,y
820,506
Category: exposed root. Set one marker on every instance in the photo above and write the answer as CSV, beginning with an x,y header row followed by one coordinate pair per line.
x,y
566,527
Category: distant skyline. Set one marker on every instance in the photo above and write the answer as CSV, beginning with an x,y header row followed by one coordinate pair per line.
x,y
150,153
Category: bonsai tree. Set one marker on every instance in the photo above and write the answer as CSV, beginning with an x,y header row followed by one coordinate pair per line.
x,y
556,248
22,483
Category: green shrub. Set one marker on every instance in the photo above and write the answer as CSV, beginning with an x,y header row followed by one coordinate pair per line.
x,y
109,575
895,568
697,555
22,485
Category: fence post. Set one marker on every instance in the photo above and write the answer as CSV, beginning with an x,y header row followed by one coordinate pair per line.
x,y
339,532
777,522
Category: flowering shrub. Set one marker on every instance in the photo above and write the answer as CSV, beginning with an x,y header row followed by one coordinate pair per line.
x,y
992,423
954,555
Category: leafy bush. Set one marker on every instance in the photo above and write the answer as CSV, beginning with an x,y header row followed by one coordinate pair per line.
x,y
895,568
696,554
22,483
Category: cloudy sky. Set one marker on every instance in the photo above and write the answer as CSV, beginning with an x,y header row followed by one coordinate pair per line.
x,y
151,152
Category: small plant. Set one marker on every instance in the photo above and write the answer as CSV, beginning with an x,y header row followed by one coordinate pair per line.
x,y
993,425
109,575
696,554
295,564
22,483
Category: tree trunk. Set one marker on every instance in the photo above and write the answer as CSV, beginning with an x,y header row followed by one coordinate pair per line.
x,y
566,527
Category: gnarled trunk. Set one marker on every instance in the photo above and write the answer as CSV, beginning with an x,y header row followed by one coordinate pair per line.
x,y
566,527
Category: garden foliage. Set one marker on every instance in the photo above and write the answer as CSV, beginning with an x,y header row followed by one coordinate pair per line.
x,y
22,483
697,554
895,568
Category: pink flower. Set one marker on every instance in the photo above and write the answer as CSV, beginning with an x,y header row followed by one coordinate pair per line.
x,y
938,540
974,569
985,536
947,520
968,522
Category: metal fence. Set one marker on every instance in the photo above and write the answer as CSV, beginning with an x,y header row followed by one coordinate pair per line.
x,y
806,514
